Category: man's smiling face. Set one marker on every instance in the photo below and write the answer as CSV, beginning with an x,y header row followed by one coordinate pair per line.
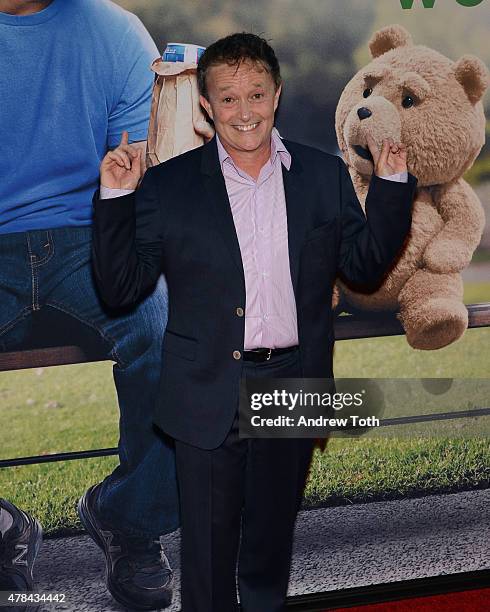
x,y
242,101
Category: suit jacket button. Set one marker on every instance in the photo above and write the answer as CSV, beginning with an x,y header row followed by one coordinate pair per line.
x,y
237,355
239,312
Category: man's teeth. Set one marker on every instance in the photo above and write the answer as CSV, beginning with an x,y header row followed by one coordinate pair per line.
x,y
246,128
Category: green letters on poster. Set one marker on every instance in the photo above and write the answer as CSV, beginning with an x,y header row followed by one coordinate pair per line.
x,y
407,4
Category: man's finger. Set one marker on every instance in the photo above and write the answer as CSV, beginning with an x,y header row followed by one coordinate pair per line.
x,y
383,156
127,160
403,150
111,156
124,138
399,151
136,161
121,158
129,149
117,157
373,148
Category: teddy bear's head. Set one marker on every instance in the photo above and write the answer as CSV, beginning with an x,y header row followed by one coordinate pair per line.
x,y
415,95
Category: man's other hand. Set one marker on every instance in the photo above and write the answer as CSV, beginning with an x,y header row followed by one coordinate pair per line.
x,y
121,167
391,160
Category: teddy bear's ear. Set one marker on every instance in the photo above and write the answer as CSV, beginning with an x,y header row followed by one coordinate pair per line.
x,y
388,38
472,73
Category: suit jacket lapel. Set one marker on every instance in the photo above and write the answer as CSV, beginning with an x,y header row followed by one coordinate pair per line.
x,y
294,191
217,196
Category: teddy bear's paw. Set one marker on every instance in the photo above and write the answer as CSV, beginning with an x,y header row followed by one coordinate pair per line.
x,y
435,324
447,256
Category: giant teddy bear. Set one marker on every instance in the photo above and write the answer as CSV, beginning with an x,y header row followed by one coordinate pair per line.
x,y
415,95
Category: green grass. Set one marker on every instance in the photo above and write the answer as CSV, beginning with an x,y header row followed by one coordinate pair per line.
x,y
351,471
49,410
74,408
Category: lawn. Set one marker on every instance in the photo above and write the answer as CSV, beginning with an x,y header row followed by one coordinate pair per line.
x,y
74,407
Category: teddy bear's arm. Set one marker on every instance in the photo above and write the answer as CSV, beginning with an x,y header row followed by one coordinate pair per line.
x,y
452,248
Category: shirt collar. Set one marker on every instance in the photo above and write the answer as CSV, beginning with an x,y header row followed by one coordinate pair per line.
x,y
277,148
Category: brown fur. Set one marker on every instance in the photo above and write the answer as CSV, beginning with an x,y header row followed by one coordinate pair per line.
x,y
444,132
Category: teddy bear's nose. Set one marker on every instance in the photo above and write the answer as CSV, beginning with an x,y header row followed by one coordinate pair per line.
x,y
363,113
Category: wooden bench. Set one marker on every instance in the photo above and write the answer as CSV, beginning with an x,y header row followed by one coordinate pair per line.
x,y
348,327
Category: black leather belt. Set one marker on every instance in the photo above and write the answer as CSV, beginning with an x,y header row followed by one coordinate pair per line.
x,y
264,354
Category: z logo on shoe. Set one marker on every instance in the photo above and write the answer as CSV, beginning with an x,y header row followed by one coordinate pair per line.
x,y
21,558
108,537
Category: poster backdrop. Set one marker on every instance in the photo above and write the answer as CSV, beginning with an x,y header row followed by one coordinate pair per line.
x,y
320,44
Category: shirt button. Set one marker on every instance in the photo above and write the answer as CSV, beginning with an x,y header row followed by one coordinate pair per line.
x,y
237,355
239,312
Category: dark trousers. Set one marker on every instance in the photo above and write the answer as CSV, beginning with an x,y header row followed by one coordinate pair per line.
x,y
250,486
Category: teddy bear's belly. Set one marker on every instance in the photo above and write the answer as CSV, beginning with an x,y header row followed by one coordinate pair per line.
x,y
426,222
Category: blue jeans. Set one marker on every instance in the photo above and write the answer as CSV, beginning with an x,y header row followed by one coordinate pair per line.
x,y
48,272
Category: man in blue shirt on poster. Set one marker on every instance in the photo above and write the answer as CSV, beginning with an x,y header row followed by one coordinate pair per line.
x,y
73,75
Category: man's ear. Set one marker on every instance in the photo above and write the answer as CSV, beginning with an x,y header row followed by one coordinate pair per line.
x,y
277,95
207,107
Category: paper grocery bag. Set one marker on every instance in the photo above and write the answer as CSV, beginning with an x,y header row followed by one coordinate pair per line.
x,y
175,109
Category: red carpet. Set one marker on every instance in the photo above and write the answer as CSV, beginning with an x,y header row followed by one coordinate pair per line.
x,y
477,600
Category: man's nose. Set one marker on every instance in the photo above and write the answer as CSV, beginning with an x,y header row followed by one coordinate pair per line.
x,y
363,113
244,110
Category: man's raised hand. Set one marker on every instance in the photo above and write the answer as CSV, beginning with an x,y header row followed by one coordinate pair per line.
x,y
392,158
121,167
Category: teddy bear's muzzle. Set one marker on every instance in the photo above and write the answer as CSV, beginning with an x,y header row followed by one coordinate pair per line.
x,y
380,119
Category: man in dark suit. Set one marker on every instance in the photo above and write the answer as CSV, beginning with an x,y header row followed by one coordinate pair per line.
x,y
250,232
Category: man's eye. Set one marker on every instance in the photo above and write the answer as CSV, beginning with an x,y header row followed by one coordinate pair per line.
x,y
367,92
227,100
258,96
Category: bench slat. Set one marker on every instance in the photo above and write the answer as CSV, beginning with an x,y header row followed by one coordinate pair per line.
x,y
45,357
349,327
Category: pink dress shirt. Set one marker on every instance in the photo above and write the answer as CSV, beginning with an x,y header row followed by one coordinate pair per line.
x,y
259,213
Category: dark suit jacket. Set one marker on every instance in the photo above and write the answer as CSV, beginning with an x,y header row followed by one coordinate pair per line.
x,y
180,223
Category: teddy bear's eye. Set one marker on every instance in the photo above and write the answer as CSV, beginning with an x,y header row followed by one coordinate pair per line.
x,y
367,92
408,101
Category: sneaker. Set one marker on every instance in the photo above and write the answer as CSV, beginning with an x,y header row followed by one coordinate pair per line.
x,y
20,540
138,574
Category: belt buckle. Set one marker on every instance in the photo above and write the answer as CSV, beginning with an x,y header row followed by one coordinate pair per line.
x,y
268,355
